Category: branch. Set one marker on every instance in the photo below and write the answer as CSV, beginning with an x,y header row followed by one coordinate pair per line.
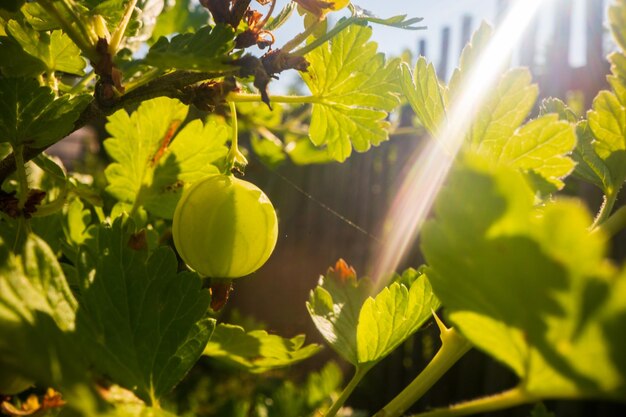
x,y
177,84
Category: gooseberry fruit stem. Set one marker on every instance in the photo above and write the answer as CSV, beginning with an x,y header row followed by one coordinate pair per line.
x,y
236,160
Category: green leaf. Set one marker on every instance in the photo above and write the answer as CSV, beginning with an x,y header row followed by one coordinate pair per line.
x,y
5,150
282,17
321,385
37,317
15,62
31,115
555,105
353,89
152,166
617,79
617,22
589,166
398,21
302,152
77,221
144,324
503,111
393,315
256,351
142,21
206,50
541,146
56,51
334,306
469,56
182,17
269,149
528,285
424,94
38,18
36,280
607,121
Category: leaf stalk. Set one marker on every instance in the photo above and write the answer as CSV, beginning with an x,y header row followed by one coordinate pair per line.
x,y
361,371
607,207
453,347
507,399
254,98
236,160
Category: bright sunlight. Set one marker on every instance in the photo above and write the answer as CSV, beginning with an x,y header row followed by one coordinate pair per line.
x,y
429,166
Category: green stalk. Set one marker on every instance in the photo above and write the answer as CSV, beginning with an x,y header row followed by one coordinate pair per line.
x,y
53,206
22,178
615,223
453,348
87,33
53,83
86,79
254,98
236,160
145,78
118,34
607,207
77,37
301,37
328,35
361,371
507,399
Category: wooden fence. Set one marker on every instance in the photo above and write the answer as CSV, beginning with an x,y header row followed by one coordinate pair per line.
x,y
557,77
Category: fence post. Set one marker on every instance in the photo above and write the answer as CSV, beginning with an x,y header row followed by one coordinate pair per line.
x,y
421,47
442,69
528,46
556,82
596,64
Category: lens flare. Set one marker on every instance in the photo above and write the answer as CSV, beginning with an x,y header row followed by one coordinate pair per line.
x,y
429,167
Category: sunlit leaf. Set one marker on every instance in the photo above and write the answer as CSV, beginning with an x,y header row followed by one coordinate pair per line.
x,y
334,306
424,94
503,111
487,242
607,121
541,146
302,152
256,351
617,22
354,89
154,159
182,17
471,52
56,51
393,315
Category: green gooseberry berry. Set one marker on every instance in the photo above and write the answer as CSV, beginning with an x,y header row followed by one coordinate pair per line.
x,y
224,227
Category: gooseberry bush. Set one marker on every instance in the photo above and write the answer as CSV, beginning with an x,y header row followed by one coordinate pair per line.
x,y
111,276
